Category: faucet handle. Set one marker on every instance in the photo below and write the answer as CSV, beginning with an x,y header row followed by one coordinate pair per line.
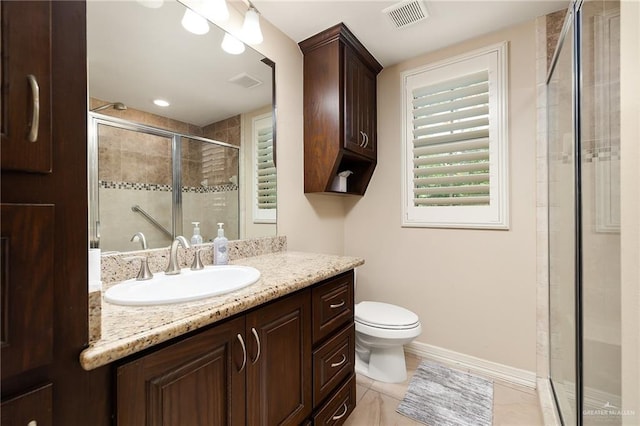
x,y
197,261
144,273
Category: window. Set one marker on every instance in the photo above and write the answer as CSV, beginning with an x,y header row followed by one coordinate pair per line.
x,y
455,142
264,187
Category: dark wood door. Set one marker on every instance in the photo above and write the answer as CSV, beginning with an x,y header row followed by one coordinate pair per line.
x,y
279,370
360,106
26,287
199,381
31,408
26,86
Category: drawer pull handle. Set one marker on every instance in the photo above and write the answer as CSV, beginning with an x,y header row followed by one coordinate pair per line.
x,y
35,109
244,353
255,335
342,361
344,411
337,305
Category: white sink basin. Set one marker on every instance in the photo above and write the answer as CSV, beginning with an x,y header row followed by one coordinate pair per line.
x,y
187,286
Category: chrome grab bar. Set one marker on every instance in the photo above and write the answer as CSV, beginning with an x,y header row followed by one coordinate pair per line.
x,y
136,208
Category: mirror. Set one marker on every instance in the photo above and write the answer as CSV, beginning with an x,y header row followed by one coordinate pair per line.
x,y
207,157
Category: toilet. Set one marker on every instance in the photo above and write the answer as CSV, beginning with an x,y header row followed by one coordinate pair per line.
x,y
381,331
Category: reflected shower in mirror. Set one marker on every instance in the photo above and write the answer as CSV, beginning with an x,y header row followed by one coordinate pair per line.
x,y
156,169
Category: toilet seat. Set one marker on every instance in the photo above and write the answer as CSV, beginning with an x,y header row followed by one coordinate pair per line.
x,y
385,316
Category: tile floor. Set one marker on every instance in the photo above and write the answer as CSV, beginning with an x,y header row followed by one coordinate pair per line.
x,y
377,402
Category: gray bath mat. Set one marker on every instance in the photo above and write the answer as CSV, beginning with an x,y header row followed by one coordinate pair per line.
x,y
440,396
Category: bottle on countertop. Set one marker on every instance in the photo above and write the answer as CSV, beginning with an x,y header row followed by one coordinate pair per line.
x,y
196,238
220,253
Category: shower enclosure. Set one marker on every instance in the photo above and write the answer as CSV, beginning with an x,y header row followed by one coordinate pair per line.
x,y
158,182
583,107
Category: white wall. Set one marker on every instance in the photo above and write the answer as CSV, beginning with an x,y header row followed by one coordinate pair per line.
x,y
474,290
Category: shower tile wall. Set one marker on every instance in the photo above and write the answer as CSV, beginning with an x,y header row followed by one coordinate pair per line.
x,y
135,169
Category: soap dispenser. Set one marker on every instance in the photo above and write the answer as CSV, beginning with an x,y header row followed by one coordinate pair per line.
x,y
196,238
220,253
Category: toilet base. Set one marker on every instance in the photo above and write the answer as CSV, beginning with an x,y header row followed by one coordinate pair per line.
x,y
385,365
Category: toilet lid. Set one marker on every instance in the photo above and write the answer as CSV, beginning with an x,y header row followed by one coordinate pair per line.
x,y
385,315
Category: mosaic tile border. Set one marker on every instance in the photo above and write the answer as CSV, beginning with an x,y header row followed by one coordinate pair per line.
x,y
154,187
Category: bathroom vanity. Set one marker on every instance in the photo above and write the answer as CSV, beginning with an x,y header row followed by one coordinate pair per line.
x,y
278,352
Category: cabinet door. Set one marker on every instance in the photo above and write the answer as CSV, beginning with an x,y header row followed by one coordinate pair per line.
x,y
359,106
279,372
26,86
29,409
26,287
199,381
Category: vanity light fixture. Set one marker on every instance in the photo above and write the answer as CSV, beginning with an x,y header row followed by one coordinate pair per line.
x,y
194,23
161,102
232,45
251,32
217,10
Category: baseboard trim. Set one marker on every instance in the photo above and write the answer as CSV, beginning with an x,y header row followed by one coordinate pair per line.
x,y
481,366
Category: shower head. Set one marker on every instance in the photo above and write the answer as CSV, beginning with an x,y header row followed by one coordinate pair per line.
x,y
116,105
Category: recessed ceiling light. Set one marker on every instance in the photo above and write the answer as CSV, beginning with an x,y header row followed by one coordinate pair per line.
x,y
161,102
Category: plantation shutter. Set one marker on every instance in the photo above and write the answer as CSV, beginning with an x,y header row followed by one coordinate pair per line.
x,y
455,143
266,169
451,164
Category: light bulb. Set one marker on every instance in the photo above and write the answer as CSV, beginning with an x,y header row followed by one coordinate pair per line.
x,y
194,23
232,45
161,102
251,32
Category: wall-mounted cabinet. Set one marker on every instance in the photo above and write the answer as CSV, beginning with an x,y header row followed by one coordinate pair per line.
x,y
339,111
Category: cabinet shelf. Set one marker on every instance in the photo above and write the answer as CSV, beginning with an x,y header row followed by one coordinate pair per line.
x,y
339,110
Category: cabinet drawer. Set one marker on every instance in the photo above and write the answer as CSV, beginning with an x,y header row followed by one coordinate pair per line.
x,y
332,363
35,407
339,407
332,306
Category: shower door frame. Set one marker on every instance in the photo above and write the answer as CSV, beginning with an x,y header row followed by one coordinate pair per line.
x,y
572,23
95,120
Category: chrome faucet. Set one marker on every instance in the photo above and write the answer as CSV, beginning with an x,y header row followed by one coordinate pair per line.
x,y
139,236
173,267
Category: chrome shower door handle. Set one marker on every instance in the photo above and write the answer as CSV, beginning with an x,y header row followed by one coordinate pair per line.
x,y
244,353
255,336
35,108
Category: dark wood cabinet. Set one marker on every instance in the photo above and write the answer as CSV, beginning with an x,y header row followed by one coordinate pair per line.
x,y
254,369
339,109
26,86
279,366
26,291
264,367
33,408
43,284
198,381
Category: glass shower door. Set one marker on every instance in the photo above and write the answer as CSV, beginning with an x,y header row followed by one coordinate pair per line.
x,y
562,229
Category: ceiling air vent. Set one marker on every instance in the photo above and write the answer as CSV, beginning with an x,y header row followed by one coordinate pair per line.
x,y
406,13
245,80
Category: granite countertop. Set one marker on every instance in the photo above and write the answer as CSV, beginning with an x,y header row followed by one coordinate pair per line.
x,y
130,329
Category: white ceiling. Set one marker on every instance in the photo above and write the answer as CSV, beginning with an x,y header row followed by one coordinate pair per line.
x,y
450,21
